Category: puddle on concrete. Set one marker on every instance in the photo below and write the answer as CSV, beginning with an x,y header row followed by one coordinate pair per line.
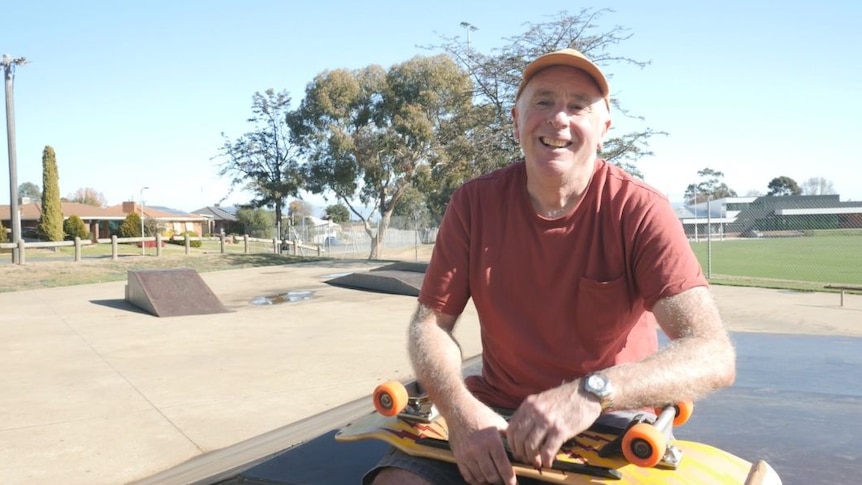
x,y
289,297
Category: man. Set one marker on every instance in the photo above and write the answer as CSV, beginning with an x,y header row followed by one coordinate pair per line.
x,y
570,263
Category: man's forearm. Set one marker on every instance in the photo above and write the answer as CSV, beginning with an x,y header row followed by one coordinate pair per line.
x,y
699,360
436,358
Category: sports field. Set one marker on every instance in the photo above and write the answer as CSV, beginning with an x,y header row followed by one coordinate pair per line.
x,y
792,262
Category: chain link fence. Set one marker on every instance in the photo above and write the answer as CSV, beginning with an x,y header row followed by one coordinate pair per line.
x,y
793,242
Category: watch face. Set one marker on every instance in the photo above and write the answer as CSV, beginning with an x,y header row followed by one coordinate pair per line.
x,y
596,383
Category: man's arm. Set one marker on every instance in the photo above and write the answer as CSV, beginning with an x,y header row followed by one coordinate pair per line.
x,y
699,360
474,429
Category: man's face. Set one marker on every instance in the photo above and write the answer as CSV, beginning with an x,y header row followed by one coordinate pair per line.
x,y
560,119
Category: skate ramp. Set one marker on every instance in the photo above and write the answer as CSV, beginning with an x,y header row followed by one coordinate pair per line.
x,y
171,293
397,278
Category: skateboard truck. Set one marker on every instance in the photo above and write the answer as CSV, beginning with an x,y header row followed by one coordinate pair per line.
x,y
648,444
392,397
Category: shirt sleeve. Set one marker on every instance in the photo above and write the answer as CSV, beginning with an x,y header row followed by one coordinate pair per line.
x,y
664,263
446,287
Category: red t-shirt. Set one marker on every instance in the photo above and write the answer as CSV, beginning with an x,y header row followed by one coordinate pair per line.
x,y
557,299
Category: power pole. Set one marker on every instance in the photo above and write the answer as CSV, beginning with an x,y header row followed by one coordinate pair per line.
x,y
9,65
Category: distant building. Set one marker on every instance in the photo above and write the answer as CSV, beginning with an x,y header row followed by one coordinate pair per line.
x,y
769,215
220,219
102,222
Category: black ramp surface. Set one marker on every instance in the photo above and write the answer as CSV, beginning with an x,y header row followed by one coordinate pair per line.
x,y
797,402
397,278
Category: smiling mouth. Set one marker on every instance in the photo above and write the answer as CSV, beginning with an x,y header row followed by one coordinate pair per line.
x,y
554,143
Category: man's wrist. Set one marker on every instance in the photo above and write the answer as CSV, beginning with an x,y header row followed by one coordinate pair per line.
x,y
599,386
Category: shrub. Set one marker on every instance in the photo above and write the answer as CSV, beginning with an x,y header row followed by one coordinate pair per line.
x,y
3,236
74,227
131,227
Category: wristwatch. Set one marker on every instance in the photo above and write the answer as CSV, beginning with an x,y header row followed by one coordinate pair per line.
x,y
600,386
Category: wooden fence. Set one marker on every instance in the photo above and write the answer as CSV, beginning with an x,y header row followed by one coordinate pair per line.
x,y
278,246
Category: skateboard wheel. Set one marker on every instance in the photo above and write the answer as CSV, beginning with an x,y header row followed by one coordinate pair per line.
x,y
644,445
390,398
684,410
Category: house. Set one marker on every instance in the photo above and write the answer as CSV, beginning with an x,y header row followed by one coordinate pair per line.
x,y
102,222
220,220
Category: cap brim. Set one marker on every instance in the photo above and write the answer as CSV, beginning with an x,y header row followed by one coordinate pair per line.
x,y
566,57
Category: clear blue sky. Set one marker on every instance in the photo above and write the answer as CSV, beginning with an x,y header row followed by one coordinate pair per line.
x,y
134,94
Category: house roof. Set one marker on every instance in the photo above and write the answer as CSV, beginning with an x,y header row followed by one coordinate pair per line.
x,y
216,213
33,211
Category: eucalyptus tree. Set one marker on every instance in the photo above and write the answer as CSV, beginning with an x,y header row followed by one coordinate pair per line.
x,y
710,187
484,141
783,185
369,134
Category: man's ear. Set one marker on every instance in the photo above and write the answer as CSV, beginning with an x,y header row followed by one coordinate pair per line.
x,y
606,128
515,130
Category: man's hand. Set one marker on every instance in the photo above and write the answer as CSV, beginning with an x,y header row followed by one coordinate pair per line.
x,y
546,420
476,437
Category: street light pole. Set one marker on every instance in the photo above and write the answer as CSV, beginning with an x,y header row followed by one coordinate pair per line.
x,y
143,243
469,28
9,64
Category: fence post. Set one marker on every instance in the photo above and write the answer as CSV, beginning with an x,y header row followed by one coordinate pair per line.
x,y
22,258
158,244
245,243
77,249
221,236
275,246
115,255
187,242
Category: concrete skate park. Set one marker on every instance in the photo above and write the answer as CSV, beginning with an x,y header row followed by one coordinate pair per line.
x,y
99,391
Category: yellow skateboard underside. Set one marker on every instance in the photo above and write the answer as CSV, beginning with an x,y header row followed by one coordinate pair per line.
x,y
701,464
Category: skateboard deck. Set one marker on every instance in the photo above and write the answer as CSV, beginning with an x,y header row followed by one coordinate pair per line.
x,y
580,461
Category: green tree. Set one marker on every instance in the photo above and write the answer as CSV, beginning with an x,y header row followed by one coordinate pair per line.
x,y
255,221
131,226
369,134
483,140
337,213
710,187
51,220
3,236
74,227
30,191
265,160
783,186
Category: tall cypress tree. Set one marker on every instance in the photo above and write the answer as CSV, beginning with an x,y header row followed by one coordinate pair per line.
x,y
51,222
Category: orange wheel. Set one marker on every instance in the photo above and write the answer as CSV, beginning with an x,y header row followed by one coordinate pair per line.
x,y
644,445
390,398
683,412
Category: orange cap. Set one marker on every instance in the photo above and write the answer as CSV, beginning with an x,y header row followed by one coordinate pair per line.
x,y
566,57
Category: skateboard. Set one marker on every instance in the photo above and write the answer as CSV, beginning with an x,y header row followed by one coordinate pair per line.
x,y
638,450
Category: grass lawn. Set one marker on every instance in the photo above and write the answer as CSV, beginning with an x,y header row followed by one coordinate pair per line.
x,y
793,262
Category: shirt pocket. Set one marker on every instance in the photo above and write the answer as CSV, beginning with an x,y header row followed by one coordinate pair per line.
x,y
603,320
